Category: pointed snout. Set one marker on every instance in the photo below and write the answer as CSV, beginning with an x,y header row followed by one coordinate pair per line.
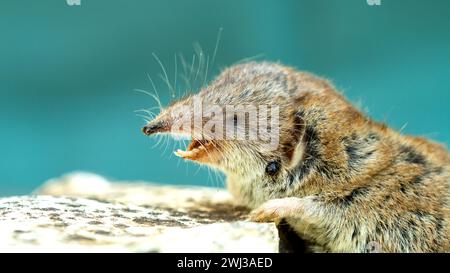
x,y
155,127
167,119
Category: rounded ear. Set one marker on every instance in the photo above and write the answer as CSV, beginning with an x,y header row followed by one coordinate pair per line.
x,y
294,147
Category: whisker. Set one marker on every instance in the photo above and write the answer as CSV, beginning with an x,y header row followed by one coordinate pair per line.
x,y
198,169
192,69
176,72
147,111
244,60
156,91
167,140
186,80
219,36
151,95
183,63
199,52
185,74
146,120
165,74
157,142
403,127
206,71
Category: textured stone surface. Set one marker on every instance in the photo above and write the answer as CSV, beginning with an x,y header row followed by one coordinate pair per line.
x,y
86,213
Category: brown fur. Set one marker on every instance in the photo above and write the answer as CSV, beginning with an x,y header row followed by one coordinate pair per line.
x,y
346,182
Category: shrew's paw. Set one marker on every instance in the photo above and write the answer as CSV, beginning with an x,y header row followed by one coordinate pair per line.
x,y
275,209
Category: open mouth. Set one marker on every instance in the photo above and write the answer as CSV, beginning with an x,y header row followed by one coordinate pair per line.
x,y
197,150
204,151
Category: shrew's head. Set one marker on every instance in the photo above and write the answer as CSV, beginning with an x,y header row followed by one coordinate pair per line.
x,y
260,123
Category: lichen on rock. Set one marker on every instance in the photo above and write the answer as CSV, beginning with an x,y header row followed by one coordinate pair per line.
x,y
87,213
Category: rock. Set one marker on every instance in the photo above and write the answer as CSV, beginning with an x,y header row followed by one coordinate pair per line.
x,y
83,212
141,193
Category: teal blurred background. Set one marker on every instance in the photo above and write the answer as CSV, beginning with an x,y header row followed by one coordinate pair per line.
x,y
67,73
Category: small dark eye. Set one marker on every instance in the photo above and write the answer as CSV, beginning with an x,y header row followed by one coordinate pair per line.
x,y
273,167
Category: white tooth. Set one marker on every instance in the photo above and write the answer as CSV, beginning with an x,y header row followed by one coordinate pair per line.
x,y
183,154
177,153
